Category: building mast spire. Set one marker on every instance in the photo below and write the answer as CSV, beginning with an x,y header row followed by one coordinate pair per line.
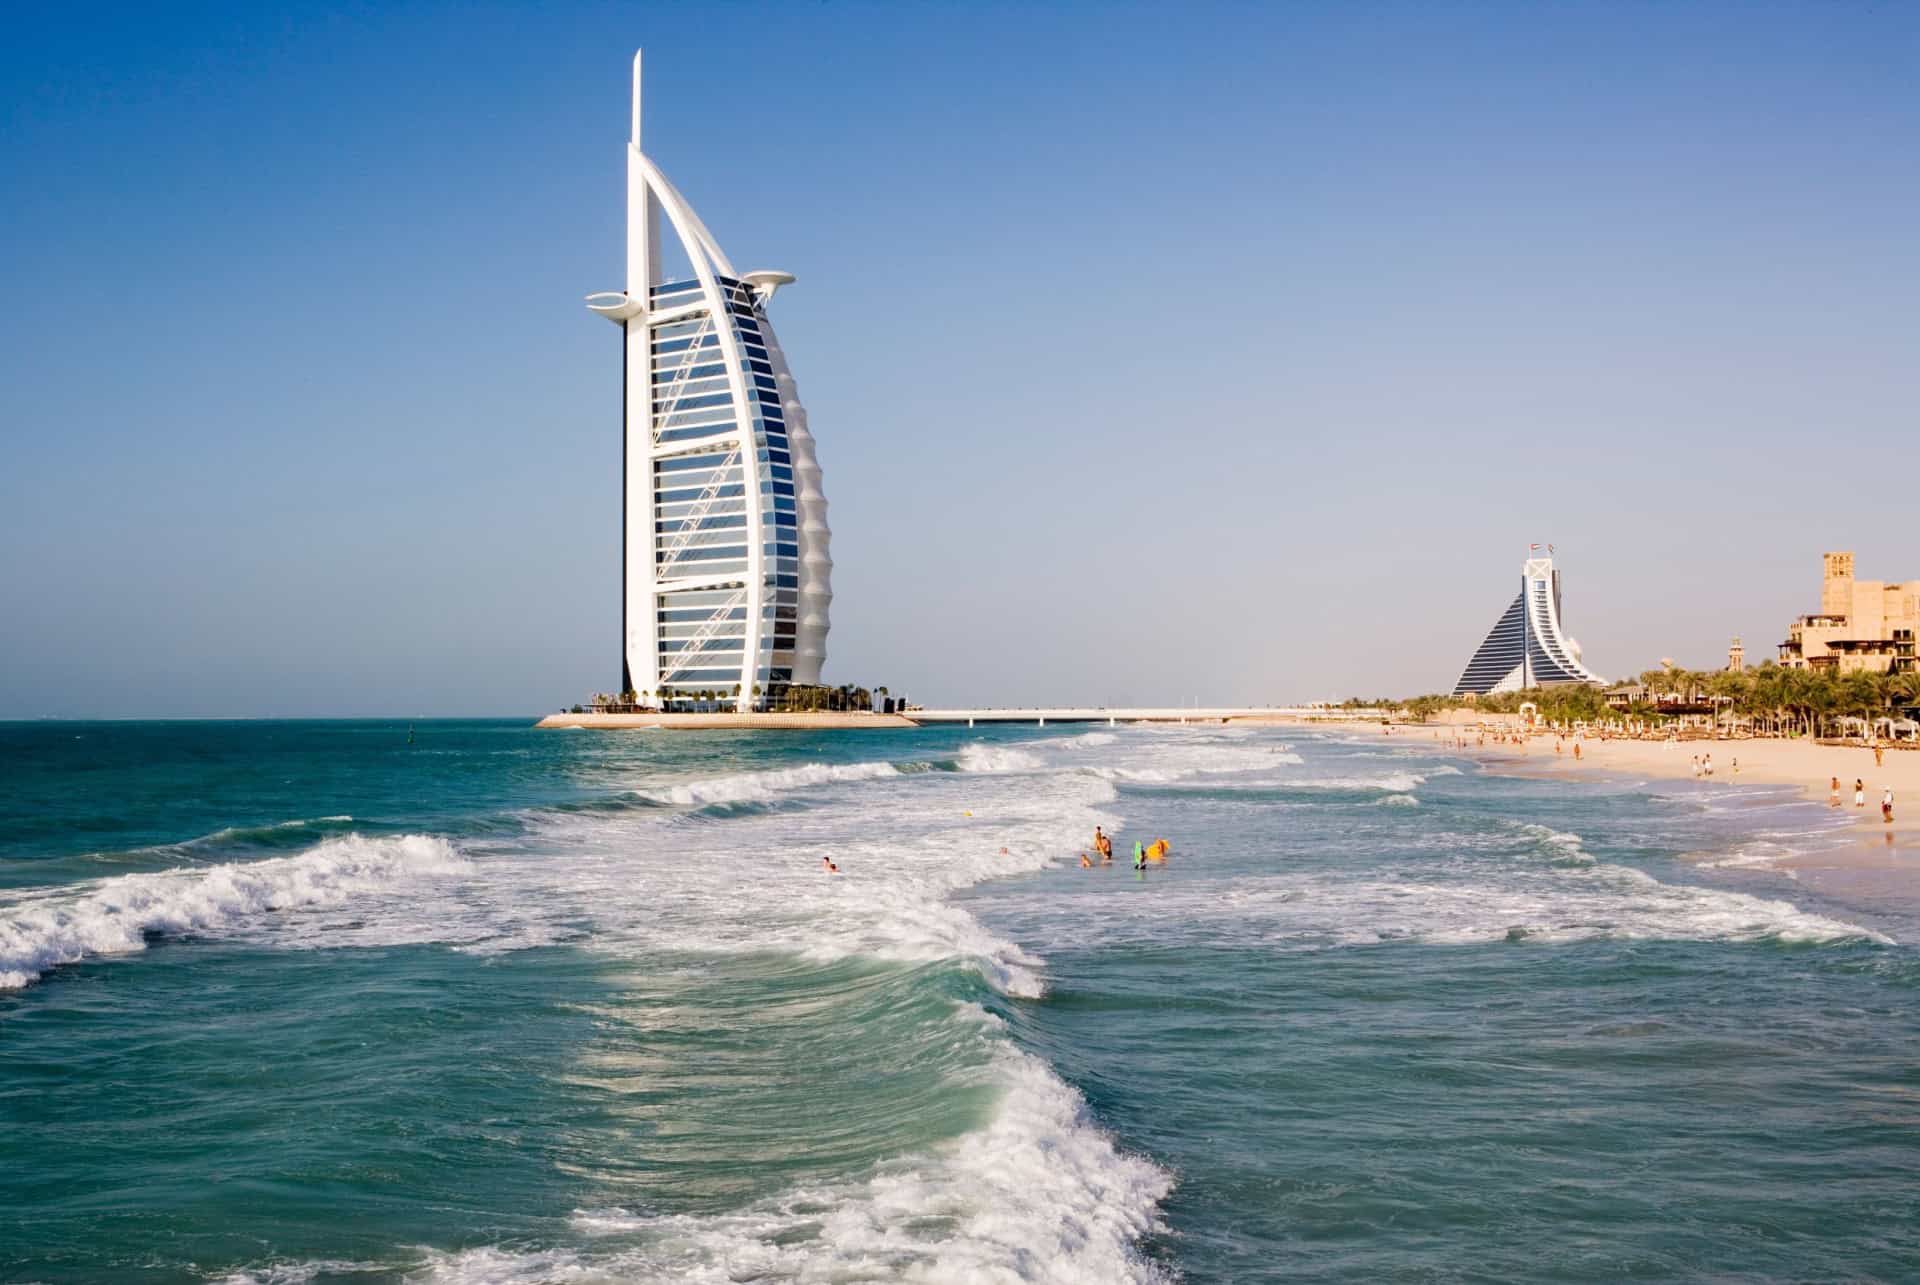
x,y
634,138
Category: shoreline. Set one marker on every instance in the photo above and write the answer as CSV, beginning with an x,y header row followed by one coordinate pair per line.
x,y
833,720
1866,856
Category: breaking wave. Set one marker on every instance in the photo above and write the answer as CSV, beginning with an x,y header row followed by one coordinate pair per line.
x,y
760,787
1040,1193
116,916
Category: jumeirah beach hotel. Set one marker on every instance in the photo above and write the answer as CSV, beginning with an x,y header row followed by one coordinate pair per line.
x,y
1527,646
725,567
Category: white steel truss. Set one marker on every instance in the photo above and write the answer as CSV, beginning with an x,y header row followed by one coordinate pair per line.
x,y
690,525
709,629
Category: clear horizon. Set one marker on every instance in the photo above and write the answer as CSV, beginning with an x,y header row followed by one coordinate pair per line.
x,y
1225,355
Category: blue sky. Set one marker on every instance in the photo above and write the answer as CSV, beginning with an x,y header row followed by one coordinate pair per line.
x,y
1155,353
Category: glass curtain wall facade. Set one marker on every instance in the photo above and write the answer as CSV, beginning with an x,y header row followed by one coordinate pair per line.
x,y
725,551
718,464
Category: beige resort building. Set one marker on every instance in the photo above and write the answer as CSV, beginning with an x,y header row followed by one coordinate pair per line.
x,y
1862,624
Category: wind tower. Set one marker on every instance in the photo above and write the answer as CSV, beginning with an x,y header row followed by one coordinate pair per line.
x,y
1736,656
726,576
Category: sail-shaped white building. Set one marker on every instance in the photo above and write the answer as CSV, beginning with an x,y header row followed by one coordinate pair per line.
x,y
727,577
1527,647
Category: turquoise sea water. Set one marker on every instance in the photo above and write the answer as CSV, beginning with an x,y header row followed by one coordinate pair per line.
x,y
304,1002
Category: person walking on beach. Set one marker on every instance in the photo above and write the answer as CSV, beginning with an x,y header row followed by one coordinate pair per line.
x,y
1706,766
1859,793
1696,765
1886,806
1833,797
1879,754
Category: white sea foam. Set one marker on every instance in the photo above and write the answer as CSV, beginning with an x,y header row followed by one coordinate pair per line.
x,y
303,1273
761,787
1600,901
1559,904
982,757
1398,782
42,929
1561,841
1398,801
1747,855
636,883
1156,761
1040,1194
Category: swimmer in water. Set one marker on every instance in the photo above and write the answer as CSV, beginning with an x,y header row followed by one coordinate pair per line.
x,y
1084,863
826,864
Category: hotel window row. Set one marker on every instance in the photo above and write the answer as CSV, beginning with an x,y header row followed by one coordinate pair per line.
x,y
702,529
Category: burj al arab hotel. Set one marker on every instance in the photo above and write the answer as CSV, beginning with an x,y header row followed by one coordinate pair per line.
x,y
1527,646
726,578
